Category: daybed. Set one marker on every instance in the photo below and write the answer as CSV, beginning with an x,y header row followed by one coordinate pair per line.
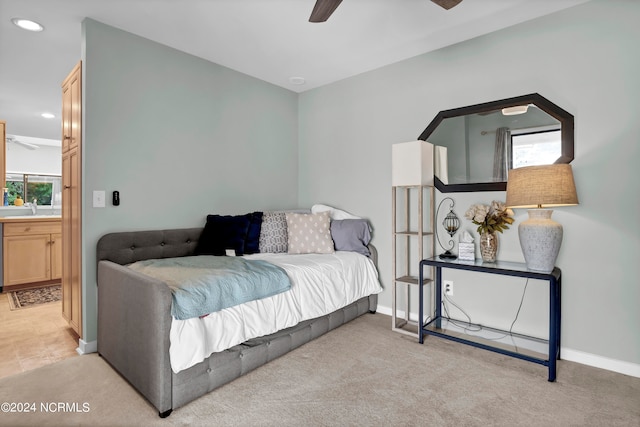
x,y
135,322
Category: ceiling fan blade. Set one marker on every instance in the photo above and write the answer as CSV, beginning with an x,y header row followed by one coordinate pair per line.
x,y
447,4
323,10
24,144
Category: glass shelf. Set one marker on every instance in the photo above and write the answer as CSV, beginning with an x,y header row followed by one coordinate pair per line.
x,y
515,345
507,268
413,280
531,347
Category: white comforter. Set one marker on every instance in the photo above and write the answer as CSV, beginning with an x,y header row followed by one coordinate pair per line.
x,y
320,284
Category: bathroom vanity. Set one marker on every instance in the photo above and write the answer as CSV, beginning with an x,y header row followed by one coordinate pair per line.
x,y
31,250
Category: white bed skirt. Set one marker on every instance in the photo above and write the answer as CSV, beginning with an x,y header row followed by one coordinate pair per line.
x,y
320,284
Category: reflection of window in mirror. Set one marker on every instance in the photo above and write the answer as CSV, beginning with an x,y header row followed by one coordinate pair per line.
x,y
530,147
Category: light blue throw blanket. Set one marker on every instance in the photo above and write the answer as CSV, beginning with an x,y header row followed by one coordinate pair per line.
x,y
205,284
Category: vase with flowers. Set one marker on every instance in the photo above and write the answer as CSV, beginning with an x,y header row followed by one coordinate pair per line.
x,y
490,220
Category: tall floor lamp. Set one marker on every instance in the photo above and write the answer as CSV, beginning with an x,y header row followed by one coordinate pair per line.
x,y
541,187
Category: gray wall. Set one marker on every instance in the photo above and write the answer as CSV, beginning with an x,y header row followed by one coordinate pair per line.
x,y
583,59
179,137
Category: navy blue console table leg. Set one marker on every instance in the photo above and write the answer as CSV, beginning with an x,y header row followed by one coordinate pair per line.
x,y
554,326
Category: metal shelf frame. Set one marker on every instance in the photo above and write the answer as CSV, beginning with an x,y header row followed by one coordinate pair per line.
x,y
438,325
402,238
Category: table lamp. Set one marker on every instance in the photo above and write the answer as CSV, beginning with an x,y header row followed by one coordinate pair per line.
x,y
541,187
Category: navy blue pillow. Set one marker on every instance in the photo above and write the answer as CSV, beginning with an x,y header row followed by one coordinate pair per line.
x,y
252,241
222,232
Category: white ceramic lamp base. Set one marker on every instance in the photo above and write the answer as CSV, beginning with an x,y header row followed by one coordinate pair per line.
x,y
540,239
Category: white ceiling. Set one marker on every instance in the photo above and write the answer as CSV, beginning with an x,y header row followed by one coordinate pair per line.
x,y
268,39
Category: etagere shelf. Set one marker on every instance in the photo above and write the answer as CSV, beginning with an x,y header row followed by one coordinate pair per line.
x,y
412,240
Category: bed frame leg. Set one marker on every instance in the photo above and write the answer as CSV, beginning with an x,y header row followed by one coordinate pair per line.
x,y
165,414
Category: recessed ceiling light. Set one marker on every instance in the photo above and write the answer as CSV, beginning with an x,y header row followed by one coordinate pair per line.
x,y
297,80
48,115
27,24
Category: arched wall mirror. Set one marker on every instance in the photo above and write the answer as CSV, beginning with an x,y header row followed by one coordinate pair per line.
x,y
475,146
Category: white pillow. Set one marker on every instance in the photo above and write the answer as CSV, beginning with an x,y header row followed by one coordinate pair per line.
x,y
309,233
333,212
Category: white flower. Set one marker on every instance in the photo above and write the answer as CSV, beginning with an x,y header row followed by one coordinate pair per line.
x,y
490,218
481,213
471,212
497,206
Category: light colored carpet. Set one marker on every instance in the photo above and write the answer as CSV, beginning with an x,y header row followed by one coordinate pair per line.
x,y
360,374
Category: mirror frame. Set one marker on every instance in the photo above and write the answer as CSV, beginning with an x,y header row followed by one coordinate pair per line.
x,y
566,133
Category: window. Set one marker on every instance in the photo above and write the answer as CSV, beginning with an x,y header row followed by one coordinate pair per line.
x,y
531,148
15,186
44,188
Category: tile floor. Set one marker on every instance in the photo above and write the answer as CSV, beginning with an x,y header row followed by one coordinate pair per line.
x,y
33,337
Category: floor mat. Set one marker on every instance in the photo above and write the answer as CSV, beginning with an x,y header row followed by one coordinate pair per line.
x,y
26,298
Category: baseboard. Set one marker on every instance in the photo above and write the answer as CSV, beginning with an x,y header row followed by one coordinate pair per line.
x,y
87,347
602,362
589,359
400,313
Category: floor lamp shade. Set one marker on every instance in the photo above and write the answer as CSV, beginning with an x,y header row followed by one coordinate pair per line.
x,y
412,163
540,187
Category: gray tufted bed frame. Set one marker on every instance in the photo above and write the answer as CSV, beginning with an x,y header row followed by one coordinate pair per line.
x,y
134,320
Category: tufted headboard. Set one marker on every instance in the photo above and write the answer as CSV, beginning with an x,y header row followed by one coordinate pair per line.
x,y
128,247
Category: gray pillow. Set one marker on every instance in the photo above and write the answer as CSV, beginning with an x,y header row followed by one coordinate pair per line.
x,y
273,233
351,235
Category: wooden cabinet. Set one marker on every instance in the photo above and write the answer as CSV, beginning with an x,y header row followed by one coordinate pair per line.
x,y
56,256
71,199
71,109
31,252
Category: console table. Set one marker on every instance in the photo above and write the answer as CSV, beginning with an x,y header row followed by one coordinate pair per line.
x,y
443,327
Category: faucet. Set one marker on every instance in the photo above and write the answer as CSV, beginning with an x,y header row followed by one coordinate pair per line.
x,y
33,206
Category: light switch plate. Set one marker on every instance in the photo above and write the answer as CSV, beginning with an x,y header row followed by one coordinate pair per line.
x,y
98,199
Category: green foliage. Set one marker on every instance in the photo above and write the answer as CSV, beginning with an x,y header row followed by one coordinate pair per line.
x,y
16,188
39,191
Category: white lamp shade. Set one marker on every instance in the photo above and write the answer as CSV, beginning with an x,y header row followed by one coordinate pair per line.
x,y
412,163
441,164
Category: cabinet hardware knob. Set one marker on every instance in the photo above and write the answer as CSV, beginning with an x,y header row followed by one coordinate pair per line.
x,y
67,137
66,187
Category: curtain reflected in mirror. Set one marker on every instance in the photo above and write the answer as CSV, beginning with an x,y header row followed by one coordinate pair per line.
x,y
502,154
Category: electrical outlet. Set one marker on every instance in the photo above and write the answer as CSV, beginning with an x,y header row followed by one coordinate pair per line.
x,y
448,287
